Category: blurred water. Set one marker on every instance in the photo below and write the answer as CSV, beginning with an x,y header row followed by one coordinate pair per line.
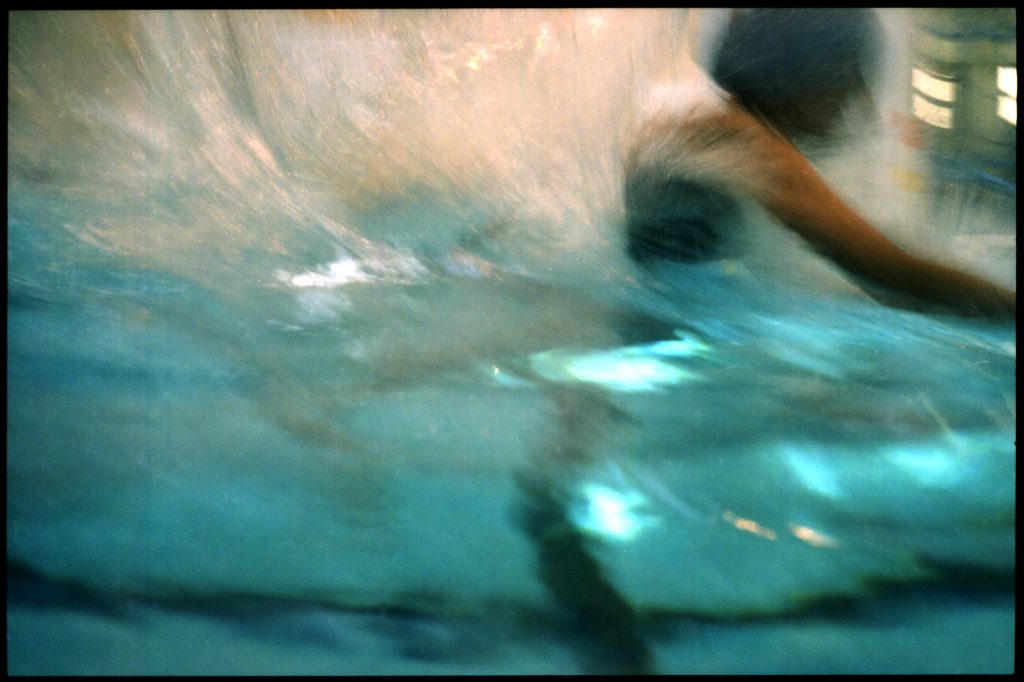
x,y
321,338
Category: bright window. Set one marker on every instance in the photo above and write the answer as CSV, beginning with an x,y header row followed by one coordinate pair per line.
x,y
1006,79
931,113
936,88
1008,109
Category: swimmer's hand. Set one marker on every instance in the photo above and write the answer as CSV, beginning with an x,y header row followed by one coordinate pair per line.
x,y
780,178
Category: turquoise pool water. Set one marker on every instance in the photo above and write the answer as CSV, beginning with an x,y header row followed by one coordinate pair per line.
x,y
324,357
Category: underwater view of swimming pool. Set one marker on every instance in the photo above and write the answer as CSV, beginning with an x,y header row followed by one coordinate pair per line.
x,y
325,357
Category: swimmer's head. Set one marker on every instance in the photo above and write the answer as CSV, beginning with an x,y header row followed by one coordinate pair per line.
x,y
798,69
678,219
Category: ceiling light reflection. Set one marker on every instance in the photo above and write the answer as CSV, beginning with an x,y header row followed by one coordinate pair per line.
x,y
346,270
611,514
811,536
749,525
813,470
628,369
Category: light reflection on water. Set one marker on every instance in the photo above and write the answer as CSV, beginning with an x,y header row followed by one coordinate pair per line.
x,y
313,307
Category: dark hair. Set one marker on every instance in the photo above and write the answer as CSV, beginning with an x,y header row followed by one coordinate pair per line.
x,y
676,218
796,67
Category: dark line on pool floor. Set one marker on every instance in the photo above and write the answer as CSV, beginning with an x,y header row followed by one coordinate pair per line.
x,y
603,626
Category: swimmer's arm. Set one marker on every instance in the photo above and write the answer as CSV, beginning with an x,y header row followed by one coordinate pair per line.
x,y
802,200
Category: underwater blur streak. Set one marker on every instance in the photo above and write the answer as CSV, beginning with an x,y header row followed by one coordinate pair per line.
x,y
323,336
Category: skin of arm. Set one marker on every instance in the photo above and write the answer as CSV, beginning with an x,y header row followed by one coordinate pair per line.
x,y
792,190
